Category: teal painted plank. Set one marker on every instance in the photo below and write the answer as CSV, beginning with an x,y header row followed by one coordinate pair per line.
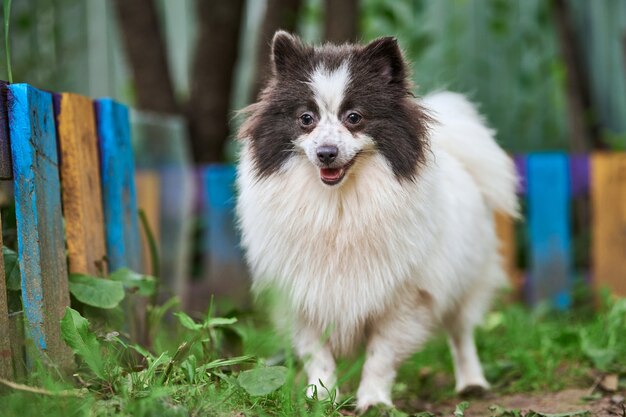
x,y
549,228
118,186
41,246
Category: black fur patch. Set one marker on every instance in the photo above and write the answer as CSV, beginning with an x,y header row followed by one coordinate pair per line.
x,y
379,90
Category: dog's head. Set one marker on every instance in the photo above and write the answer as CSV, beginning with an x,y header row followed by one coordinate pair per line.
x,y
333,105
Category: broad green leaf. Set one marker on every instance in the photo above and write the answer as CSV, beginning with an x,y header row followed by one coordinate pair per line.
x,y
262,381
95,291
142,284
187,321
459,411
11,269
76,334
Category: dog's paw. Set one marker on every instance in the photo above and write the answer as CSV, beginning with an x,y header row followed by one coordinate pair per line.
x,y
475,389
372,398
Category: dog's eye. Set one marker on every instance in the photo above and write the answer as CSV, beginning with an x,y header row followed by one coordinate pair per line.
x,y
354,118
306,119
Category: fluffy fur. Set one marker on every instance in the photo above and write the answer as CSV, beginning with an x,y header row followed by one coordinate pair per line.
x,y
403,242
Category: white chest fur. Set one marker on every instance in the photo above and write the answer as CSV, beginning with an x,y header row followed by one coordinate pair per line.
x,y
342,254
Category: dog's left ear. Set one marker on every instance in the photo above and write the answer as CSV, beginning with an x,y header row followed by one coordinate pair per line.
x,y
385,57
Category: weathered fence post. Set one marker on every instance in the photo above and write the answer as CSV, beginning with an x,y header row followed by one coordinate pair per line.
x,y
225,269
608,192
120,202
549,226
80,177
6,356
41,247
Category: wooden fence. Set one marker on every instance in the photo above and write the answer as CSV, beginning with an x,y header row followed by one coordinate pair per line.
x,y
73,176
82,168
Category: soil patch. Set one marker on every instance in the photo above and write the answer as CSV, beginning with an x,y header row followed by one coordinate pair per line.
x,y
569,400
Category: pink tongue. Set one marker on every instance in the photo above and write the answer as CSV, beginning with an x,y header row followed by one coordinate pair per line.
x,y
330,173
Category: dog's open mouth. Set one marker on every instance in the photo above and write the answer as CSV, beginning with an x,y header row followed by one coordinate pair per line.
x,y
333,176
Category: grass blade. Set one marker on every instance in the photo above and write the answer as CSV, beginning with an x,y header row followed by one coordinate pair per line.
x,y
6,9
152,246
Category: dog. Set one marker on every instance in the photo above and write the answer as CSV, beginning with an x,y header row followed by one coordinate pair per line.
x,y
370,210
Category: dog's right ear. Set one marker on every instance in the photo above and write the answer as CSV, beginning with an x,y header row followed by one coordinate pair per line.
x,y
287,51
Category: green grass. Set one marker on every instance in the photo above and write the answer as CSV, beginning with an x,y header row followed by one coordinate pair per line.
x,y
185,373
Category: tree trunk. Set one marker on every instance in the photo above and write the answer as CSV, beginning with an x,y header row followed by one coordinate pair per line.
x,y
146,53
212,76
341,23
279,14
582,130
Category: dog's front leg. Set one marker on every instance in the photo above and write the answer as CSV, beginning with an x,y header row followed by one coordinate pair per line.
x,y
319,363
393,339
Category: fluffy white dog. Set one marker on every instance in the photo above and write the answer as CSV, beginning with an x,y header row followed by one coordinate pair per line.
x,y
372,211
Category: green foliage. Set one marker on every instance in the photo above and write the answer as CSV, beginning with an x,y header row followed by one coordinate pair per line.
x,y
11,269
75,332
6,14
504,55
96,291
459,411
155,261
108,293
263,381
222,366
134,282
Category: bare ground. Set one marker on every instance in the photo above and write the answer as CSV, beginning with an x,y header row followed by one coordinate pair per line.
x,y
570,400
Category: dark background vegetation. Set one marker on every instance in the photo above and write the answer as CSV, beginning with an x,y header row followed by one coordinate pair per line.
x,y
548,74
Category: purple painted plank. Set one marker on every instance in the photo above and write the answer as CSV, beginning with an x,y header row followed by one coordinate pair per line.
x,y
579,174
520,164
6,170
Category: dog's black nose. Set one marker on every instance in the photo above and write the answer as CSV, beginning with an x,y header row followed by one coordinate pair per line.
x,y
327,154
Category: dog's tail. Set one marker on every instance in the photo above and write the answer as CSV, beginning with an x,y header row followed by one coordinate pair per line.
x,y
462,132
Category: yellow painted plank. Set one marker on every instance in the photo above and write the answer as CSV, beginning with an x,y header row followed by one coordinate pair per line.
x,y
505,229
608,201
80,177
148,195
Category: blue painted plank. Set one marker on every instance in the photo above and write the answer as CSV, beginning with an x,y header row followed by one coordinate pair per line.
x,y
118,186
41,246
225,268
221,240
549,228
